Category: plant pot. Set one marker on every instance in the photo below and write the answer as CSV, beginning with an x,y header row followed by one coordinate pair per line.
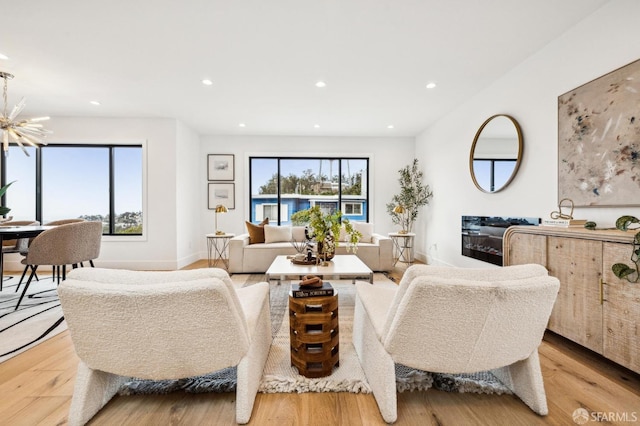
x,y
327,248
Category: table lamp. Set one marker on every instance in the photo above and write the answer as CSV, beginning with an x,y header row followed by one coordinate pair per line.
x,y
220,209
401,211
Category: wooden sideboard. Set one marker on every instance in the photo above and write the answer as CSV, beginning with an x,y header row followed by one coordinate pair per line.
x,y
594,307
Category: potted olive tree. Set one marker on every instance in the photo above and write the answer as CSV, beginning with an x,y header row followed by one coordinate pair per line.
x,y
404,207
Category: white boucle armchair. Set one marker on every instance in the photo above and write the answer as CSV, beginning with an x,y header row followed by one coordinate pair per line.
x,y
456,320
162,325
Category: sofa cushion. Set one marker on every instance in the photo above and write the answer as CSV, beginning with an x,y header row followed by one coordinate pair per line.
x,y
366,229
277,234
256,232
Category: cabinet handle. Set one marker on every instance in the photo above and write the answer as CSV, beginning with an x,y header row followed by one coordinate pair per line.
x,y
601,291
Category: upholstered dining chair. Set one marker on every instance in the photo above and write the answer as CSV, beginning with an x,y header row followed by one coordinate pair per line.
x,y
456,320
19,245
55,273
63,245
162,325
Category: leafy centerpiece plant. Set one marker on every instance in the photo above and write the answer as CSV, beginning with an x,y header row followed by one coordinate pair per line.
x,y
325,229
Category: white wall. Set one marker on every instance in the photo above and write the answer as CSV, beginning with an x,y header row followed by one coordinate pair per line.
x,y
387,156
156,249
190,200
603,42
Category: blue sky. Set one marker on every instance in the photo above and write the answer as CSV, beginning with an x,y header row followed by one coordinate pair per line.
x,y
75,182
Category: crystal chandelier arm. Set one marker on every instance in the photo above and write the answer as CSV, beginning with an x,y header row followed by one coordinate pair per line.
x,y
17,109
27,131
22,147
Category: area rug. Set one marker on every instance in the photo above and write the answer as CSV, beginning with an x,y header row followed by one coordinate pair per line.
x,y
37,319
280,376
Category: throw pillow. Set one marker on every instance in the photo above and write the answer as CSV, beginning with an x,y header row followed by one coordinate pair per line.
x,y
277,234
256,232
297,233
366,229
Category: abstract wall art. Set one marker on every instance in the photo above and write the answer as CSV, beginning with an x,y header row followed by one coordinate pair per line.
x,y
599,140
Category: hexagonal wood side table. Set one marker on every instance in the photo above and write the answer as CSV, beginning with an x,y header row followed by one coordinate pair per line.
x,y
314,334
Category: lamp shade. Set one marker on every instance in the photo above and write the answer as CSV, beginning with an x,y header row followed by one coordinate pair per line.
x,y
398,209
221,209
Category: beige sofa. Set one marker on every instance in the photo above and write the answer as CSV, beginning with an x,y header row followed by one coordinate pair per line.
x,y
375,250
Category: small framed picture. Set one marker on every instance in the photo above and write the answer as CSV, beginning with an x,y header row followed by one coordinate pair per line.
x,y
222,193
220,167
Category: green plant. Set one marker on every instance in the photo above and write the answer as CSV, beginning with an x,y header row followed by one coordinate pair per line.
x,y
621,270
3,209
322,224
413,195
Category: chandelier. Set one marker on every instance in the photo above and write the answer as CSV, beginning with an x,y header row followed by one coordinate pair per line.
x,y
28,131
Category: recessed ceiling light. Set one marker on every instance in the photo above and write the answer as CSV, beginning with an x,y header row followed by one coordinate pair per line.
x,y
431,85
390,126
207,82
317,126
321,84
96,103
5,57
242,125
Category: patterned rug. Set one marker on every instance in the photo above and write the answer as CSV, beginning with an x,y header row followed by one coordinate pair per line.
x,y
37,319
279,376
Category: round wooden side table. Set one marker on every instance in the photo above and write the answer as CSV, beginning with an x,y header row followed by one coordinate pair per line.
x,y
314,334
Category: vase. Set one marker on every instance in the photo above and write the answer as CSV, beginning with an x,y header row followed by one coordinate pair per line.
x,y
327,247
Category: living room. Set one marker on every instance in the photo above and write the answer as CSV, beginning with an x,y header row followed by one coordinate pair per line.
x,y
176,216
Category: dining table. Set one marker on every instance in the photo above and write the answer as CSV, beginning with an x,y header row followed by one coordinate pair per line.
x,y
9,232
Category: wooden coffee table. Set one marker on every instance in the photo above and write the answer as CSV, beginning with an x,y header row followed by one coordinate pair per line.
x,y
341,265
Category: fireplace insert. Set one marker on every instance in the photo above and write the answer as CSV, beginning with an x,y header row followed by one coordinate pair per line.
x,y
482,235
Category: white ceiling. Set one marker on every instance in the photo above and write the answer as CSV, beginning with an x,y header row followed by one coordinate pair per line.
x,y
146,58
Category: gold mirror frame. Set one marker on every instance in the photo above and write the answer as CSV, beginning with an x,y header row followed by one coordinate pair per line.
x,y
518,159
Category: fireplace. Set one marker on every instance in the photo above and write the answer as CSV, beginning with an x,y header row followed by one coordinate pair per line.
x,y
482,235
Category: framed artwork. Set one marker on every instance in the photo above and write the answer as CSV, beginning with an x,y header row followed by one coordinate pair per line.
x,y
220,167
222,193
599,140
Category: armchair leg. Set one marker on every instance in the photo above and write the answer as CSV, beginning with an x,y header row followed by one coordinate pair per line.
x,y
250,368
377,364
92,391
524,378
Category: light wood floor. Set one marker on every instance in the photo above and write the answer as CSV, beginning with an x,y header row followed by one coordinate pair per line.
x,y
36,389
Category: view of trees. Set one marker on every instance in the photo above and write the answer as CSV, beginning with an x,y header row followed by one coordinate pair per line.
x,y
126,223
311,183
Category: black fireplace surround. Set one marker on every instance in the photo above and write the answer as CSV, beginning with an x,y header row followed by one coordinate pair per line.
x,y
482,235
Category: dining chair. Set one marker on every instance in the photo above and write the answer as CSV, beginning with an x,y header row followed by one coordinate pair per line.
x,y
55,273
24,248
15,246
69,244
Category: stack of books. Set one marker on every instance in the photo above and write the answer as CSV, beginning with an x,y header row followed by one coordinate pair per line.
x,y
564,223
298,291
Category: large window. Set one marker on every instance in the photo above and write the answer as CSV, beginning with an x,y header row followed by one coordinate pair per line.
x,y
95,182
281,186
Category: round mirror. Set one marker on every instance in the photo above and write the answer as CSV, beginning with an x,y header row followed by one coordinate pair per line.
x,y
496,153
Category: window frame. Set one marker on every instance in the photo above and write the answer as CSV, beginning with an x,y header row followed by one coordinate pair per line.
x,y
338,201
112,198
352,204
